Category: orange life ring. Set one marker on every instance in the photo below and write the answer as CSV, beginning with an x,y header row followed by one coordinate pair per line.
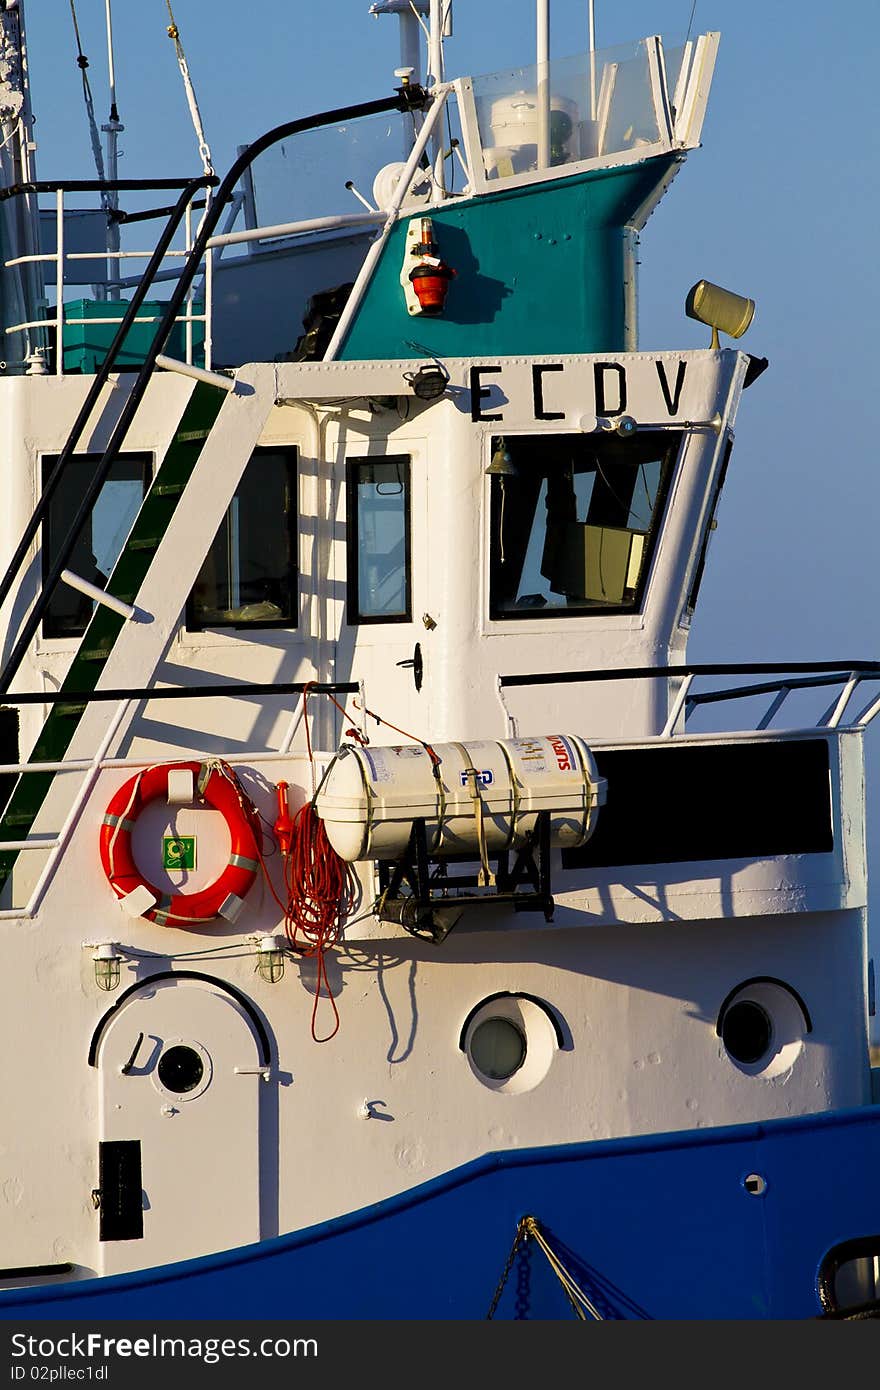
x,y
222,898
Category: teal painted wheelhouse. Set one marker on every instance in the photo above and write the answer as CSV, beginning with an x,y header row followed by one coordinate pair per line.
x,y
561,243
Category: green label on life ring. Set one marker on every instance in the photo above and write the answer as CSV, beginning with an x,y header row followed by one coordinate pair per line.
x,y
178,851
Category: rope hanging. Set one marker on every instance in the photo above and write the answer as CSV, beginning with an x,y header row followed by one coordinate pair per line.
x,y
319,888
204,149
82,64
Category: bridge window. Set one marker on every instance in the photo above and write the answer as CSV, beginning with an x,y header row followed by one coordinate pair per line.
x,y
249,578
378,515
101,539
574,519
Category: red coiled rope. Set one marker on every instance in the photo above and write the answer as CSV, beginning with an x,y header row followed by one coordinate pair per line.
x,y
321,888
321,891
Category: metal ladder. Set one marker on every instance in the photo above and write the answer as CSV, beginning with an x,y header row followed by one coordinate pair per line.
x,y
162,499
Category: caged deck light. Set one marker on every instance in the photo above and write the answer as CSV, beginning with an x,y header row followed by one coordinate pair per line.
x,y
722,310
270,959
108,963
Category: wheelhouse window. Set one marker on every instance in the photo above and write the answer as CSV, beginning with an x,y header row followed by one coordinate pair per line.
x,y
378,512
99,543
249,578
574,520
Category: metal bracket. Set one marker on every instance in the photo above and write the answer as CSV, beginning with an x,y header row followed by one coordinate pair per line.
x,y
437,899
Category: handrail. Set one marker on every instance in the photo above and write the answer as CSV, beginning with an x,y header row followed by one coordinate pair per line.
x,y
18,190
101,376
848,674
92,767
181,692
720,668
407,98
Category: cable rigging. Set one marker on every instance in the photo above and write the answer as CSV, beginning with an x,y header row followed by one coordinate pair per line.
x,y
83,63
204,150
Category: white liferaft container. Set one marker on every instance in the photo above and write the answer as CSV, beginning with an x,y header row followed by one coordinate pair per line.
x,y
371,796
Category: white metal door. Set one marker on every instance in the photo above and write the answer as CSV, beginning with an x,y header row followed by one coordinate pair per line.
x,y
180,1073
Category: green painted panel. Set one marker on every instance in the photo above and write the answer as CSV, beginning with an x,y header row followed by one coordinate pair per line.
x,y
538,270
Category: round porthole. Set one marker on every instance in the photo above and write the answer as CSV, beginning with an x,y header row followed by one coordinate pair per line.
x,y
183,1070
497,1048
180,1069
510,1041
746,1031
762,1025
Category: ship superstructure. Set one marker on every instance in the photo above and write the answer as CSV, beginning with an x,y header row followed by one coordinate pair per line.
x,y
363,879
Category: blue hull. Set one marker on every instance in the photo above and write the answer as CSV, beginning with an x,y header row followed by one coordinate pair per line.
x,y
658,1227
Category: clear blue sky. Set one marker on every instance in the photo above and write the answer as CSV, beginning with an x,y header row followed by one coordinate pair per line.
x,y
781,204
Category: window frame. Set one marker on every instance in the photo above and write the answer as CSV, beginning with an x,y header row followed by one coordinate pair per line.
x,y
48,552
291,454
669,456
353,615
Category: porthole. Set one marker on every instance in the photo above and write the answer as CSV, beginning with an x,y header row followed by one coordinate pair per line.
x,y
762,1025
746,1031
510,1041
180,1069
183,1071
498,1048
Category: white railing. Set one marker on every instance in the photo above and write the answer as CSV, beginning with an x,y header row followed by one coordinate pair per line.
x,y
60,257
816,675
92,768
58,321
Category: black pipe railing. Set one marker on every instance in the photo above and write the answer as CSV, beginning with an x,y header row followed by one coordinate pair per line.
x,y
180,692
18,190
725,668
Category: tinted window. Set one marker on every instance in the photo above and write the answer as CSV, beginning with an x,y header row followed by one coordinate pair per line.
x,y
379,539
573,521
249,578
100,542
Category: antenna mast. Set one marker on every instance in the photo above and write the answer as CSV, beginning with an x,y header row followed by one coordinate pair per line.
x,y
112,130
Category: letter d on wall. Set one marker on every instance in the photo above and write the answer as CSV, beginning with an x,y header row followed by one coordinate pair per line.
x,y
600,369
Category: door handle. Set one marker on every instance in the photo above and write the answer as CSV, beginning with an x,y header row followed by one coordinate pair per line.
x,y
415,664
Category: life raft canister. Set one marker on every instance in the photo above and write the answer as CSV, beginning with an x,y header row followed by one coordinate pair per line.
x,y
224,897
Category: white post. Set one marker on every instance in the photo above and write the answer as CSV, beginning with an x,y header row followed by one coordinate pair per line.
x,y
435,42
435,70
592,29
542,59
59,282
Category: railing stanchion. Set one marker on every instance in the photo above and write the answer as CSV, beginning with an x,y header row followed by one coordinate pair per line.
x,y
59,282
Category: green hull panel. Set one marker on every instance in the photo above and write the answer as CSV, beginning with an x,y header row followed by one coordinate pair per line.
x,y
515,252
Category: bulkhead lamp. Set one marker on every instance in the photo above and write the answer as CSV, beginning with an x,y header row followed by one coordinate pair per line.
x,y
270,959
722,310
108,963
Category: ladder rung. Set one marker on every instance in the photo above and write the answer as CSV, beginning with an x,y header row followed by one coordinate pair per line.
x,y
148,543
167,489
